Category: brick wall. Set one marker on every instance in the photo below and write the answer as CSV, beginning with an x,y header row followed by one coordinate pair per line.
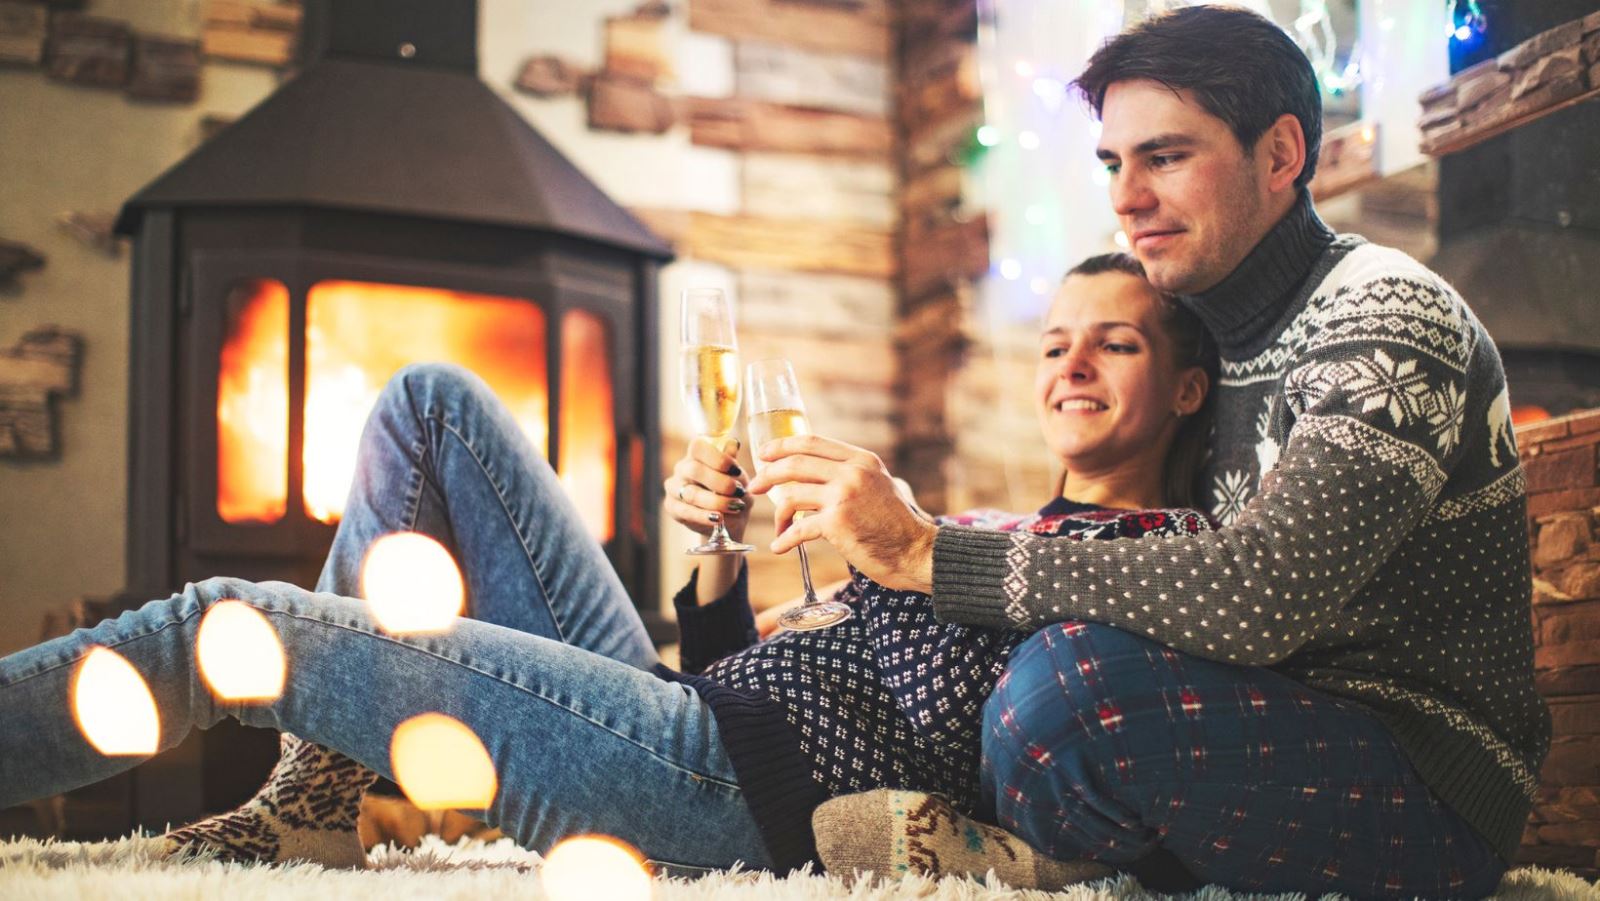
x,y
1562,459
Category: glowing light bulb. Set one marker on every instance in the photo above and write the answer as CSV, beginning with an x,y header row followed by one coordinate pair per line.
x,y
1010,269
239,653
113,706
1028,140
585,867
1121,239
1039,284
1024,68
411,584
988,135
441,765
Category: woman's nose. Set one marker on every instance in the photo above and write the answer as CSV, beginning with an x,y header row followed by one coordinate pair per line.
x,y
1076,367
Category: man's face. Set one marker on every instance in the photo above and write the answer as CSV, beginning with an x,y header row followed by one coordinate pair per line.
x,y
1192,202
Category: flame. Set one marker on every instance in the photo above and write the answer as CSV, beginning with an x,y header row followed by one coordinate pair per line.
x,y
441,765
357,336
412,584
588,425
239,653
253,406
595,866
113,706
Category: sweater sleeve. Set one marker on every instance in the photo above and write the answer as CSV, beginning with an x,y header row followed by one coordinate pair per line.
x,y
1377,399
707,633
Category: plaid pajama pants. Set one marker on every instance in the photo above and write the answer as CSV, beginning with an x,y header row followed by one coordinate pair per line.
x,y
1098,743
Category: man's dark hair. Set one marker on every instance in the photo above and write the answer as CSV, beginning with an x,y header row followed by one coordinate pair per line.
x,y
1240,66
1192,345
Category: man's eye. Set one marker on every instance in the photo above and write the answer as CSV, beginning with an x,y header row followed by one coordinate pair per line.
x,y
1162,160
1113,168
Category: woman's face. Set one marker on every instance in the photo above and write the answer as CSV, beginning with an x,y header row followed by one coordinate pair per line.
x,y
1107,387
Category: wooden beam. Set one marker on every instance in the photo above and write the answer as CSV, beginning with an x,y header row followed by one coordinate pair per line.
x,y
15,259
636,48
939,259
862,31
809,187
42,366
801,244
746,125
626,105
89,50
783,74
250,32
23,28
165,69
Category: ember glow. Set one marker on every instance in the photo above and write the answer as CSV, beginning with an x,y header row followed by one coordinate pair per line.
x,y
595,866
412,585
240,656
113,706
357,336
441,765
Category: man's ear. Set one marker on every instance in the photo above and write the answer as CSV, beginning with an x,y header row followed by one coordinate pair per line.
x,y
1193,384
1284,148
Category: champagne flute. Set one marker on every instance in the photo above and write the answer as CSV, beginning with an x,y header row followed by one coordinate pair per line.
x,y
709,376
776,411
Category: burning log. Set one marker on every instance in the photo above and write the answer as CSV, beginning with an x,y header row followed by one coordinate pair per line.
x,y
41,366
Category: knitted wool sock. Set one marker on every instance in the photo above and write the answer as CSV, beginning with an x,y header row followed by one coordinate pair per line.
x,y
306,812
893,832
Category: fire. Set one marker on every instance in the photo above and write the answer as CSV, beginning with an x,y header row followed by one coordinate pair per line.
x,y
239,653
595,866
113,706
441,765
357,336
412,584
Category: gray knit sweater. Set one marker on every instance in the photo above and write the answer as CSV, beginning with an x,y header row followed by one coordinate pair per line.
x,y
1374,544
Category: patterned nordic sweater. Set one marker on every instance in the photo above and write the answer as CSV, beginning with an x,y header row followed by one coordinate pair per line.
x,y
889,698
1374,543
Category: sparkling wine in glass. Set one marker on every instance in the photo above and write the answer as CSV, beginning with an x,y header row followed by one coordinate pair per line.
x,y
709,376
776,411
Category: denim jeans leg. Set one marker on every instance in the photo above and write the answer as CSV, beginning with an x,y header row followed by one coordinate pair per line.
x,y
441,455
581,742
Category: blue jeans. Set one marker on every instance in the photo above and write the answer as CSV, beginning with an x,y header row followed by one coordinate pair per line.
x,y
1099,743
551,672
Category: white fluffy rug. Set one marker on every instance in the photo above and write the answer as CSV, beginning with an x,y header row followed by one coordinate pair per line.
x,y
472,871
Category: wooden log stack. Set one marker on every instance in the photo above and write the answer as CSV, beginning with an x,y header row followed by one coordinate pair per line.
x,y
40,368
1560,459
1549,71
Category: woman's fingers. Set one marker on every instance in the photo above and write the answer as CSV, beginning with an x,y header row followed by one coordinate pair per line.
x,y
694,471
702,498
720,459
691,516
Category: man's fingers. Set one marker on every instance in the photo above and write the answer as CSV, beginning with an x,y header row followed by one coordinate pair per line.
x,y
817,446
806,528
801,469
798,499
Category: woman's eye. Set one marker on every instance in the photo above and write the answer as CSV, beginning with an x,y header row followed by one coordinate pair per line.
x,y
1117,347
1053,352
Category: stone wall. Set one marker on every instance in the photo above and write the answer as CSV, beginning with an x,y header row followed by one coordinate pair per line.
x,y
1560,456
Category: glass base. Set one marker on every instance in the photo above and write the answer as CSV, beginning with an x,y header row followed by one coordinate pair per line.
x,y
711,548
821,615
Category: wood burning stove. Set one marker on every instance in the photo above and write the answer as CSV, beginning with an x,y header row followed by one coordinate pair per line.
x,y
382,207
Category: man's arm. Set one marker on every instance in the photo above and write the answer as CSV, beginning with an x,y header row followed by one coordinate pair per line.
x,y
1377,418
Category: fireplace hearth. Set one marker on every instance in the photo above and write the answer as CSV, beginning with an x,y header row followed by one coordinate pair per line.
x,y
382,207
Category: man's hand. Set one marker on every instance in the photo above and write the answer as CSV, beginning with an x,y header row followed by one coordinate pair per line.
x,y
855,507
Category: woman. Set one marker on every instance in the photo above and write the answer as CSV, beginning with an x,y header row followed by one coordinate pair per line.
x,y
589,733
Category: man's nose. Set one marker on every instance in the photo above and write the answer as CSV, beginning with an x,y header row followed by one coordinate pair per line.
x,y
1130,194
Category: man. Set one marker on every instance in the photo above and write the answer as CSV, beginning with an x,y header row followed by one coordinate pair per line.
x,y
1332,692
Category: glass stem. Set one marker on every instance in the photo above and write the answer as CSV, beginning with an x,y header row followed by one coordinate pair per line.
x,y
805,576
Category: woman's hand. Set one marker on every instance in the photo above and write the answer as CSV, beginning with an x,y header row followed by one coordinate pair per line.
x,y
708,482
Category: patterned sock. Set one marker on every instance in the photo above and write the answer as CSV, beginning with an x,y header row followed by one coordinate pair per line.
x,y
306,812
893,832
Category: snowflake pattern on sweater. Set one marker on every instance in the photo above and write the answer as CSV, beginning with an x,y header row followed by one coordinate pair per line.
x,y
892,697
